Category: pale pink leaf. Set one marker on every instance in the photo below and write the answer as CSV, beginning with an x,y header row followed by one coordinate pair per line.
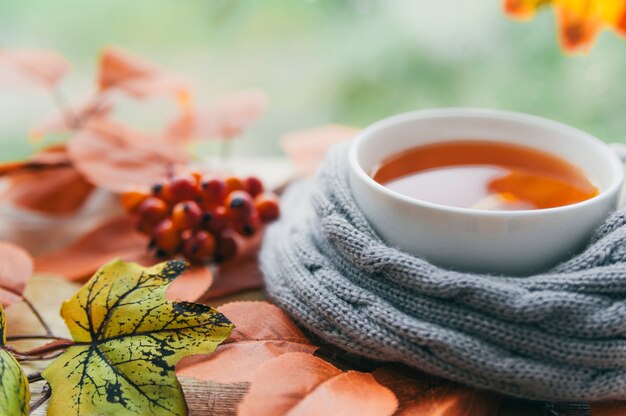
x,y
139,78
117,158
16,267
31,67
308,148
225,117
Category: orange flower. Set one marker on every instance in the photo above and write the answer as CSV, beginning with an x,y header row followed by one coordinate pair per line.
x,y
579,21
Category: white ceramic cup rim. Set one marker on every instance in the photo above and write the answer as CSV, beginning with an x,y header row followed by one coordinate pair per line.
x,y
610,157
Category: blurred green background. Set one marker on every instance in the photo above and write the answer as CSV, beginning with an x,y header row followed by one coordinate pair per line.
x,y
325,61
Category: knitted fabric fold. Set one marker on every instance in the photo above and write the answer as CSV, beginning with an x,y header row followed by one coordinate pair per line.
x,y
559,335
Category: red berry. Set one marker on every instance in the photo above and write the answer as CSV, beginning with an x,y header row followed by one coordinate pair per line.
x,y
150,212
226,247
166,237
239,205
253,186
249,226
200,247
131,200
183,188
233,183
186,215
267,207
213,191
216,220
161,191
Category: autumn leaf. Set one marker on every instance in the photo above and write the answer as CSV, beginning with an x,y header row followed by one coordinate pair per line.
x,y
118,158
114,238
96,108
303,385
16,267
118,238
240,273
192,284
421,394
131,74
262,332
25,67
234,276
46,183
14,392
55,191
580,21
51,157
224,118
308,148
128,340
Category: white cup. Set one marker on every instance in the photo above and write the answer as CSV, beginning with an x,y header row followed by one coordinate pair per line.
x,y
496,242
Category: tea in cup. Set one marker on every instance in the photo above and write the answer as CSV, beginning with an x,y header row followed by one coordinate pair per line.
x,y
483,190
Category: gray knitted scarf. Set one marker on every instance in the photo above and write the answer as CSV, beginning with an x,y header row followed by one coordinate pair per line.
x,y
553,336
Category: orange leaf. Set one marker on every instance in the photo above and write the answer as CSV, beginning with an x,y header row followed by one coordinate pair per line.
x,y
191,285
50,157
116,158
118,238
580,21
523,9
56,191
239,274
124,71
262,332
24,67
299,384
307,148
16,267
421,394
224,118
235,276
608,409
114,238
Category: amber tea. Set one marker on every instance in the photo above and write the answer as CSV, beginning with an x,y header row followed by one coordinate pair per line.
x,y
484,175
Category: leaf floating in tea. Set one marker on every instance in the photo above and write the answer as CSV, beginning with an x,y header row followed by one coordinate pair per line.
x,y
496,176
128,339
14,392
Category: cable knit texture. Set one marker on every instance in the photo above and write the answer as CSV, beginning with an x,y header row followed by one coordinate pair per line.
x,y
553,336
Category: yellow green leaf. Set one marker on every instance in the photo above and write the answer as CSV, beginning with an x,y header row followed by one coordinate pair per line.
x,y
129,338
14,392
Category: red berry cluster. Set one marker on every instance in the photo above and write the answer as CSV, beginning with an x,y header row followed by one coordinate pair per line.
x,y
198,216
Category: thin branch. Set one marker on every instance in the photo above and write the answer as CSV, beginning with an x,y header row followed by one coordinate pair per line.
x,y
59,344
34,377
29,337
38,316
13,168
62,104
46,392
38,358
81,120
